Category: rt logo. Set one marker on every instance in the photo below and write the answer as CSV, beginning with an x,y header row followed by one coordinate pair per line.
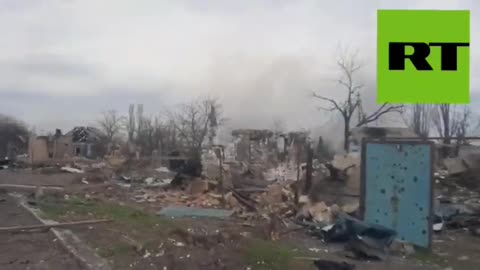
x,y
421,51
423,56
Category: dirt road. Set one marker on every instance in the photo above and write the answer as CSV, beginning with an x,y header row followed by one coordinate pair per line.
x,y
32,251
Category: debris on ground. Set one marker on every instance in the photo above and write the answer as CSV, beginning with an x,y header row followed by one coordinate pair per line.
x,y
453,216
401,248
4,164
156,182
365,241
71,170
281,173
361,250
163,169
275,198
475,230
199,186
351,208
455,165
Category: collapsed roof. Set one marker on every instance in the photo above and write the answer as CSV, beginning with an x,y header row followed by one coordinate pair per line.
x,y
253,134
85,134
380,132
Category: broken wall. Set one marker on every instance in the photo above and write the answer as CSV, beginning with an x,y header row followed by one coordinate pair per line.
x,y
268,155
62,147
210,164
254,146
353,162
43,148
360,133
295,143
85,149
258,154
38,150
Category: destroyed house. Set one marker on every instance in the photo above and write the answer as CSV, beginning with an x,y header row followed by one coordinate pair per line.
x,y
50,147
87,142
360,133
266,147
252,145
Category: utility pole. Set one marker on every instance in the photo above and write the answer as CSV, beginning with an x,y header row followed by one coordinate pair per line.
x,y
309,171
297,189
220,173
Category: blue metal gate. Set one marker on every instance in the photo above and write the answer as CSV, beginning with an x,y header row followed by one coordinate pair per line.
x,y
397,188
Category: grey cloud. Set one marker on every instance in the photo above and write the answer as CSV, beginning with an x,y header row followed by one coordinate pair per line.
x,y
63,62
49,65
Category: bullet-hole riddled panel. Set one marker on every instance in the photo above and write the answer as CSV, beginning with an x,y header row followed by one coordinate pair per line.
x,y
398,189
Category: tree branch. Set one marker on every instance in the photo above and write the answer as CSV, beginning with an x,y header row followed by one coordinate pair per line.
x,y
326,109
335,104
378,113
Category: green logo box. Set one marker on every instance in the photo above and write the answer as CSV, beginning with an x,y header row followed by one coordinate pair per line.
x,y
423,56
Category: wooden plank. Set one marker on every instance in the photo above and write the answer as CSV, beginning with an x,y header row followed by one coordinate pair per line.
x,y
48,226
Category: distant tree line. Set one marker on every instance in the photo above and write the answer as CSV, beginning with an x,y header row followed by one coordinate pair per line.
x,y
186,128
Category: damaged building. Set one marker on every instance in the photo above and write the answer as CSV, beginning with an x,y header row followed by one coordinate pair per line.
x,y
360,133
79,142
260,152
87,142
51,147
265,147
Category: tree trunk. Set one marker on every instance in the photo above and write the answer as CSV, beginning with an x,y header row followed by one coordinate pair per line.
x,y
446,135
346,137
308,177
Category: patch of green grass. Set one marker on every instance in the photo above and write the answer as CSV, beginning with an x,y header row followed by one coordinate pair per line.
x,y
117,250
428,257
119,213
431,258
267,255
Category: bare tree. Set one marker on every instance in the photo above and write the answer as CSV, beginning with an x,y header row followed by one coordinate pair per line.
x,y
140,118
445,120
194,120
130,123
419,118
110,124
452,121
145,134
213,123
463,126
149,133
323,151
169,139
164,135
351,104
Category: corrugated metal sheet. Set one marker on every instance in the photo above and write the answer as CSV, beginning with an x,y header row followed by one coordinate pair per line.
x,y
397,188
174,211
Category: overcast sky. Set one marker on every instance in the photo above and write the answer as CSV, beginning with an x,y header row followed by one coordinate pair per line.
x,y
63,62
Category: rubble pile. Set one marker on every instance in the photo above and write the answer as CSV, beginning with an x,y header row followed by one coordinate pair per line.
x,y
256,178
178,198
259,178
269,180
275,198
457,204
